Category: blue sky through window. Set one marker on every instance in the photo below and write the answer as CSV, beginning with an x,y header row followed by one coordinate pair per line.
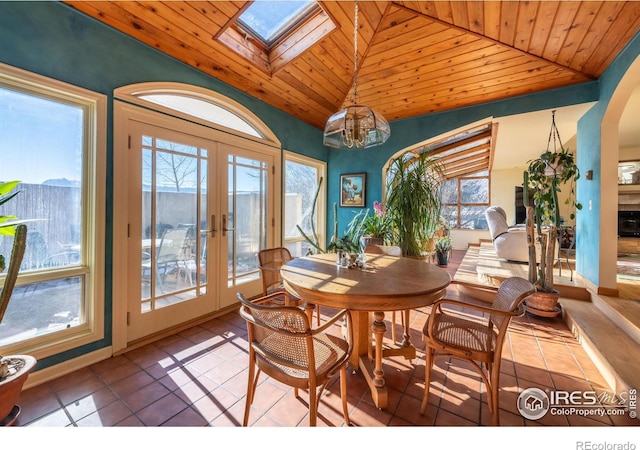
x,y
40,139
268,19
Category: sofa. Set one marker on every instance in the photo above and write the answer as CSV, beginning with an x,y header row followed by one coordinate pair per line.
x,y
509,242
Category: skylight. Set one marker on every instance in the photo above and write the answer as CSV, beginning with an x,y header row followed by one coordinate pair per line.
x,y
270,20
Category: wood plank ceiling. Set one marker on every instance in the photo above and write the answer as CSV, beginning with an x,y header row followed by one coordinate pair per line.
x,y
415,57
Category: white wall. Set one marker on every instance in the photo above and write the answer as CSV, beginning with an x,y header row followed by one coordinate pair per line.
x,y
460,239
503,187
629,154
503,184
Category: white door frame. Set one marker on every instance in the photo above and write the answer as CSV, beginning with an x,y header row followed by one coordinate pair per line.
x,y
123,113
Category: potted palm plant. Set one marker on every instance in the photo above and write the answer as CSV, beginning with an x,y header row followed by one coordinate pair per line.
x,y
414,200
543,180
14,369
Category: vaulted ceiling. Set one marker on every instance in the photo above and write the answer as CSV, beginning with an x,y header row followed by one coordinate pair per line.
x,y
415,57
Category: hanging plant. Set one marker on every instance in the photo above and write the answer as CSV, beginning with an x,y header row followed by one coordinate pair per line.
x,y
543,180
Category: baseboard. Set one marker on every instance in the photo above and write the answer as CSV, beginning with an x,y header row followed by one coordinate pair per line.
x,y
608,292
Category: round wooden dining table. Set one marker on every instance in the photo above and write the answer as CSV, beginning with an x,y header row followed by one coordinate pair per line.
x,y
386,283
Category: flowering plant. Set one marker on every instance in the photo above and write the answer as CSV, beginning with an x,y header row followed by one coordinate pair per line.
x,y
379,224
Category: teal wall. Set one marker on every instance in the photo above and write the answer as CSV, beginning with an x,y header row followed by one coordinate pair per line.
x,y
54,40
588,223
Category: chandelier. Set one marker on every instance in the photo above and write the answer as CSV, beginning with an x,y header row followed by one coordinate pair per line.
x,y
357,125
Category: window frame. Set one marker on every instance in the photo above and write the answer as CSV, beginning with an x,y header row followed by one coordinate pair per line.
x,y
459,204
135,93
129,106
93,196
285,29
321,167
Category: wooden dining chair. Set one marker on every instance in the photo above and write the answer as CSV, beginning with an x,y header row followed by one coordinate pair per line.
x,y
283,345
270,260
390,250
448,332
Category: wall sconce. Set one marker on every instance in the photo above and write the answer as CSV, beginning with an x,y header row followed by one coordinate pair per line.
x,y
589,175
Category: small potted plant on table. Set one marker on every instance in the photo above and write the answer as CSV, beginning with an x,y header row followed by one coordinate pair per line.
x,y
376,228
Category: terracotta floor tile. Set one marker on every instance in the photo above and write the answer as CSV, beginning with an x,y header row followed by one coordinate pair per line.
x,y
110,415
119,372
215,403
73,379
367,415
57,418
90,404
147,356
186,418
161,411
131,421
192,390
145,396
36,403
132,383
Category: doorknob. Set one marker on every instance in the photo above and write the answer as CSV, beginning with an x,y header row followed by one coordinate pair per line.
x,y
224,225
213,229
213,226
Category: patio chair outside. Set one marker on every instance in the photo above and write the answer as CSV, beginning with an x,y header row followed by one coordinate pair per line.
x,y
283,345
171,255
449,333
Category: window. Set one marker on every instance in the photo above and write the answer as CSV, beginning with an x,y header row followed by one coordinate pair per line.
x,y
270,35
466,154
50,139
271,20
465,199
203,110
199,105
301,178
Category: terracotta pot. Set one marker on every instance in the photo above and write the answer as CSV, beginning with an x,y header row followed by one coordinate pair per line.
x,y
366,240
544,301
443,258
11,387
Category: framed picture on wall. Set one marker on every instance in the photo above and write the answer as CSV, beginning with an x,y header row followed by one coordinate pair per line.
x,y
352,190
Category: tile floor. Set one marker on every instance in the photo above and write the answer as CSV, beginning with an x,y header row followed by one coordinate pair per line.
x,y
197,378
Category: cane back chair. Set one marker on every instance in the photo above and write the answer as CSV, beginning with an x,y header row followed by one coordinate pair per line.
x,y
283,345
270,260
448,332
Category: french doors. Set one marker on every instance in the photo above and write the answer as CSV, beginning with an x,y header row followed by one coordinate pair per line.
x,y
200,207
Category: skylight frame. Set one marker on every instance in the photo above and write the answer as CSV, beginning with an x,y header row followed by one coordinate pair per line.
x,y
284,29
